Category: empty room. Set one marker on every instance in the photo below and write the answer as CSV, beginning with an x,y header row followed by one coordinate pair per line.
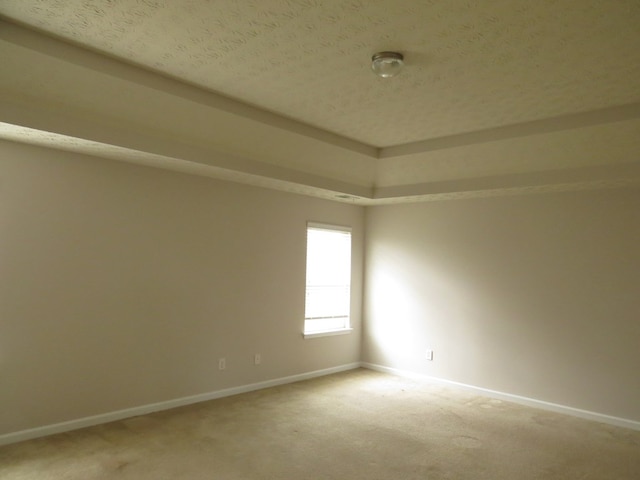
x,y
309,239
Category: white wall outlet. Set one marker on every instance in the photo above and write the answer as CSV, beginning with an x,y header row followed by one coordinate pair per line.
x,y
257,359
222,363
429,355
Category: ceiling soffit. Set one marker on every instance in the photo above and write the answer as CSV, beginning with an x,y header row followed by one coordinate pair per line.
x,y
314,161
471,65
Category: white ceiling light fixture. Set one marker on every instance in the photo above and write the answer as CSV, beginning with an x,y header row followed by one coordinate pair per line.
x,y
387,64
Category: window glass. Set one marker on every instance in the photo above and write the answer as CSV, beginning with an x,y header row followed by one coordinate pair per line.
x,y
328,288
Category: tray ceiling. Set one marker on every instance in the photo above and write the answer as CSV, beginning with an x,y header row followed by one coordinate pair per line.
x,y
476,73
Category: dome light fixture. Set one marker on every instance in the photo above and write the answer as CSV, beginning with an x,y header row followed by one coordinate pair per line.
x,y
387,64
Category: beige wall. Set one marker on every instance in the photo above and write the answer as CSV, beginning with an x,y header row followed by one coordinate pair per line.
x,y
122,285
537,296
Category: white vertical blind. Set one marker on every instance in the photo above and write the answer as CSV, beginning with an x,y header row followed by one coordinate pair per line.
x,y
328,291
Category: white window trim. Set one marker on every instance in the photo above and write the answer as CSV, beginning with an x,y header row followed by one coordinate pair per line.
x,y
328,226
335,331
328,333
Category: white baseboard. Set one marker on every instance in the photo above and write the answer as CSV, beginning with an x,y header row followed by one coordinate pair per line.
x,y
179,402
530,402
156,407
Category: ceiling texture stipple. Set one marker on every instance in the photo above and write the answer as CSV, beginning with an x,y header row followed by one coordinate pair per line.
x,y
470,66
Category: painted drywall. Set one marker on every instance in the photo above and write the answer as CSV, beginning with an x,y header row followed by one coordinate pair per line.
x,y
536,296
122,285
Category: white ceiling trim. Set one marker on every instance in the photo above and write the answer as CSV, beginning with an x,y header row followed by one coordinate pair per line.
x,y
570,178
603,177
63,130
42,125
85,58
535,127
12,138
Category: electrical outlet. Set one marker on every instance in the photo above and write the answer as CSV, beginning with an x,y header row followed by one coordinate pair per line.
x,y
429,355
257,359
222,363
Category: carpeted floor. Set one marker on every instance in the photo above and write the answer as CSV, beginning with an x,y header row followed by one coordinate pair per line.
x,y
354,425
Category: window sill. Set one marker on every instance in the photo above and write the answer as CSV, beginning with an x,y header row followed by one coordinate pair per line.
x,y
327,333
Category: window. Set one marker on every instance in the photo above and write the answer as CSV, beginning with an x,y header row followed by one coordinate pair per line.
x,y
328,292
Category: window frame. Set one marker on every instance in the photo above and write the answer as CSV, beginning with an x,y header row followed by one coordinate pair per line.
x,y
346,328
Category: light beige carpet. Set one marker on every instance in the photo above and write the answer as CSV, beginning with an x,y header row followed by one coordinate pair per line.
x,y
354,425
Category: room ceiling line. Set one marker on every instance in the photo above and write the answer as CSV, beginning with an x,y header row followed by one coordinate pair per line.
x,y
73,97
277,178
14,137
81,56
65,131
77,133
534,127
86,58
627,174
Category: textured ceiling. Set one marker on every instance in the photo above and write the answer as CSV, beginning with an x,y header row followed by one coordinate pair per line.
x,y
471,65
497,97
